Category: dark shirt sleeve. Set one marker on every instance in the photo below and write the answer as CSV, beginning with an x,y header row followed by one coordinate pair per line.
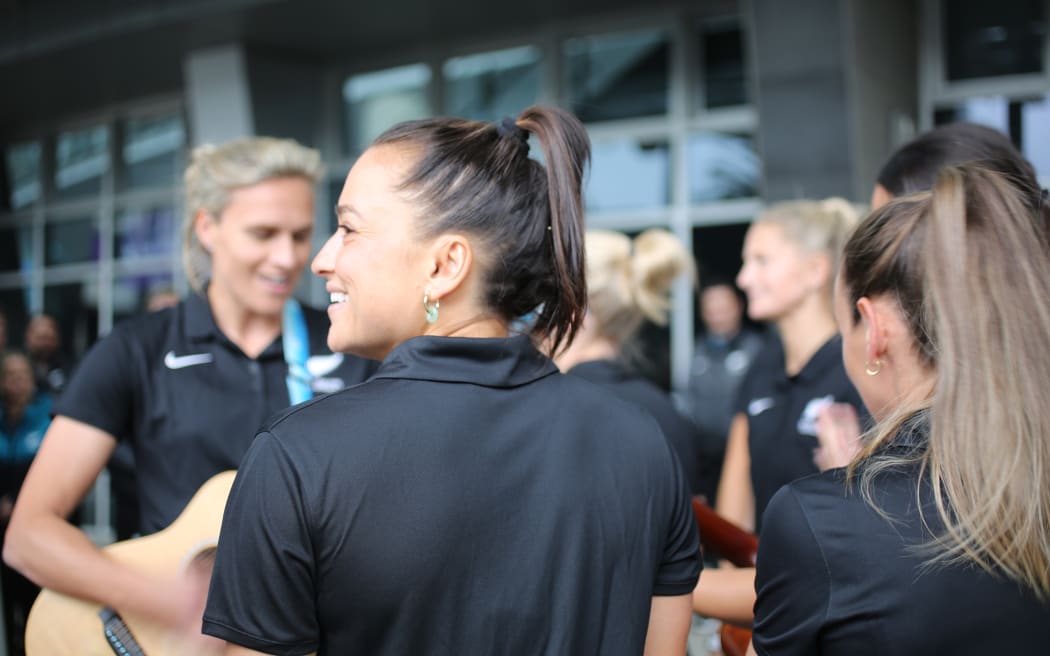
x,y
681,564
105,387
262,593
792,581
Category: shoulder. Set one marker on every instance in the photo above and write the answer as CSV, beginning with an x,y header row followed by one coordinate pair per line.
x,y
146,329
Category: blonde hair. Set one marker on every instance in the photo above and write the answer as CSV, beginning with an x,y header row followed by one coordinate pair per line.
x,y
815,226
967,264
629,280
215,171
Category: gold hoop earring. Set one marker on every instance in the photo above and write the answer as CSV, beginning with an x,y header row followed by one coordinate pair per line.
x,y
873,370
431,311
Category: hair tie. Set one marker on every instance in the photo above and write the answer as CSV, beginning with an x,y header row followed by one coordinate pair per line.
x,y
507,127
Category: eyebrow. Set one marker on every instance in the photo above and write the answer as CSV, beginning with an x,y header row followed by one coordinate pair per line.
x,y
340,210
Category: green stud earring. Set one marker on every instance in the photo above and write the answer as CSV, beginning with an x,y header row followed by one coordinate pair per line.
x,y
430,310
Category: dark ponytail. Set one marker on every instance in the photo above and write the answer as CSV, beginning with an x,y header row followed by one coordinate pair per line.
x,y
526,218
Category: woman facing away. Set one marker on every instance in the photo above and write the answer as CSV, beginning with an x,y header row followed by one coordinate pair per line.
x,y
468,499
935,540
628,281
188,386
790,253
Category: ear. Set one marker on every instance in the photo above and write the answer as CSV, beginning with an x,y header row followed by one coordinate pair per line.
x,y
451,264
872,314
204,225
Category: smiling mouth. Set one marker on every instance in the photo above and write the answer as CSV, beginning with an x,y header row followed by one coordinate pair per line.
x,y
336,297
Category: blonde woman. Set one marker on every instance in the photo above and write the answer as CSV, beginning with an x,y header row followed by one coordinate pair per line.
x,y
629,281
187,386
935,539
790,253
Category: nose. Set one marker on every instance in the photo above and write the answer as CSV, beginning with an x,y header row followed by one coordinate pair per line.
x,y
325,259
283,253
742,277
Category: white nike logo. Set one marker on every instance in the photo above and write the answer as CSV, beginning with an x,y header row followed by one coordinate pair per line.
x,y
319,365
758,406
172,361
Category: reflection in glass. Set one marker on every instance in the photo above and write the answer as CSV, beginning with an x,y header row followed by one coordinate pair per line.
x,y
23,174
615,76
491,85
1025,120
132,293
725,82
722,166
143,232
81,159
70,242
376,101
16,249
986,39
628,174
75,306
151,150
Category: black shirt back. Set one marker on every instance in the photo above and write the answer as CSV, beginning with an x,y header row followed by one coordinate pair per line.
x,y
468,499
836,577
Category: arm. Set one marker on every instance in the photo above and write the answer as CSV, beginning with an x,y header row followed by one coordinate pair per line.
x,y
669,622
736,499
53,553
727,594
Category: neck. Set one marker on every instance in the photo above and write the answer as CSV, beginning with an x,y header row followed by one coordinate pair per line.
x,y
481,326
14,409
803,331
250,331
586,348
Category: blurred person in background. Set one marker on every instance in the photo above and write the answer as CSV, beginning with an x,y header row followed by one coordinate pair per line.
x,y
25,413
721,358
43,345
629,281
187,386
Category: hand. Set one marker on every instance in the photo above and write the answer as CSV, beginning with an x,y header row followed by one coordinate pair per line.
x,y
838,431
182,610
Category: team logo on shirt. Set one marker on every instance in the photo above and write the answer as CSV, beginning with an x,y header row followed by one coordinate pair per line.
x,y
757,406
807,422
172,361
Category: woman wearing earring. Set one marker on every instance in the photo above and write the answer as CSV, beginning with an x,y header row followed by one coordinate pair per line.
x,y
934,540
468,499
790,253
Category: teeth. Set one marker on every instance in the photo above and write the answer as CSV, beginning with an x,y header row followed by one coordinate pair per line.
x,y
276,280
336,297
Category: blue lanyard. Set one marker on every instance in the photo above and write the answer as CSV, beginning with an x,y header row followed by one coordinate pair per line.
x,y
296,351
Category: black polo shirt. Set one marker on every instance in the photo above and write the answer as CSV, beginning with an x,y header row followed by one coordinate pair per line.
x,y
468,499
188,399
680,433
782,411
836,577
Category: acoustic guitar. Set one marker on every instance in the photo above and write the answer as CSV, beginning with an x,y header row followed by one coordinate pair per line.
x,y
59,625
736,545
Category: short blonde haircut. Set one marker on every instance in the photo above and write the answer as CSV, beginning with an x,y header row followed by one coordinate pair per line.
x,y
629,280
215,171
815,226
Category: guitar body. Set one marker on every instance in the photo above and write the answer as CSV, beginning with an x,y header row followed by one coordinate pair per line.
x,y
59,625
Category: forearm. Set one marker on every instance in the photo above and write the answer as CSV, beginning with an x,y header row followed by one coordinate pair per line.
x,y
669,622
726,594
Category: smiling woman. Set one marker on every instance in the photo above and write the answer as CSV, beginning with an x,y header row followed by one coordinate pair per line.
x,y
187,386
459,500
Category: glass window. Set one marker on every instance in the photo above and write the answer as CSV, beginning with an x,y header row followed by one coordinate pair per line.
x,y
16,248
722,166
376,101
725,76
81,159
133,293
615,76
1025,120
143,232
71,242
627,174
14,302
986,39
151,150
75,306
491,85
23,174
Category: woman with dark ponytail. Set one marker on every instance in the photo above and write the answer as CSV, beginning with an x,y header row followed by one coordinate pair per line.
x,y
935,539
468,499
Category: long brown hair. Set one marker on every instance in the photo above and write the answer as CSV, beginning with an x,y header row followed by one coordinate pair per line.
x,y
967,266
478,178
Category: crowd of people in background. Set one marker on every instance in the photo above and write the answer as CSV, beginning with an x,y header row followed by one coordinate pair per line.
x,y
863,397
